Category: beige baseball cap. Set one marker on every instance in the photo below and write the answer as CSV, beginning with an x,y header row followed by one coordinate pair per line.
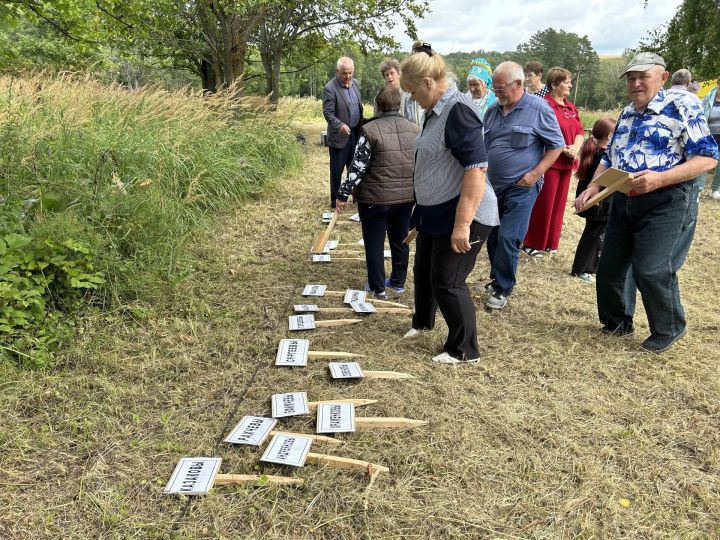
x,y
643,61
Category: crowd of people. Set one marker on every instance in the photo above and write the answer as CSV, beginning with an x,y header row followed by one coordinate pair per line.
x,y
494,166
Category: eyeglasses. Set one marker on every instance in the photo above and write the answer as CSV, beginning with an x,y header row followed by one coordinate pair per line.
x,y
423,47
502,89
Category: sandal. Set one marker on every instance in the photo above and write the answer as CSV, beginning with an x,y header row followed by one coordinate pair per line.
x,y
536,253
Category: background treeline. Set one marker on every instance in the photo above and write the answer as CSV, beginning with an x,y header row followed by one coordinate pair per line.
x,y
289,47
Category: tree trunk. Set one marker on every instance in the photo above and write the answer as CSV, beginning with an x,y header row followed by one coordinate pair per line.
x,y
276,63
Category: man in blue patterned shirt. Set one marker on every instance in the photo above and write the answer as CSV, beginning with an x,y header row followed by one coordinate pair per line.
x,y
663,139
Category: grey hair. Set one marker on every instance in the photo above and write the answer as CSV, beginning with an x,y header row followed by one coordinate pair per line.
x,y
512,70
681,77
345,61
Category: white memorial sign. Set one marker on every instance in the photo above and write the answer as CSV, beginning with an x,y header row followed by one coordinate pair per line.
x,y
316,258
387,254
361,241
287,450
291,404
193,476
345,370
306,308
314,290
301,322
336,418
252,430
352,295
292,352
331,244
362,307
326,217
355,217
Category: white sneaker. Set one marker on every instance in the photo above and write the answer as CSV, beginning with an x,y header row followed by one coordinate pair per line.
x,y
413,332
445,358
496,300
716,195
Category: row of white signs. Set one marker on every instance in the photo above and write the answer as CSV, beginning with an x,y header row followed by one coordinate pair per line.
x,y
325,257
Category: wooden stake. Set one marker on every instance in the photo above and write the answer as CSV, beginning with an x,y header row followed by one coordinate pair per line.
x,y
356,402
317,439
336,322
322,239
377,310
386,375
389,303
240,479
331,355
389,422
411,236
345,463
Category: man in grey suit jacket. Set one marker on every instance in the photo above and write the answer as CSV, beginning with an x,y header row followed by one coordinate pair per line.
x,y
342,108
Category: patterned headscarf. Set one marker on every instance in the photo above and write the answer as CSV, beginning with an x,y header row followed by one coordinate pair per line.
x,y
481,69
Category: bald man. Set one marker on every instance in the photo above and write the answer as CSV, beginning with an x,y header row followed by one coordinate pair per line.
x,y
342,108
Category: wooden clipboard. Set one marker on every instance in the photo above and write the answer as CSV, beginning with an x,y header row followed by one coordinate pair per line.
x,y
613,180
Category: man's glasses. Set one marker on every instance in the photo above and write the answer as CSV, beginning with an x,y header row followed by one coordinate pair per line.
x,y
423,47
502,89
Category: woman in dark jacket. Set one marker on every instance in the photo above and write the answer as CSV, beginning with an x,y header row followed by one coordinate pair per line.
x,y
380,179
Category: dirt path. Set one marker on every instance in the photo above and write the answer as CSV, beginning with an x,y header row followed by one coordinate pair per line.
x,y
559,432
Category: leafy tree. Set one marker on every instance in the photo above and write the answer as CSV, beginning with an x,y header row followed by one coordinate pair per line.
x,y
308,24
691,39
565,49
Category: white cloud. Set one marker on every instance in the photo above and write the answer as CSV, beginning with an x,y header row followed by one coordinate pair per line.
x,y
500,25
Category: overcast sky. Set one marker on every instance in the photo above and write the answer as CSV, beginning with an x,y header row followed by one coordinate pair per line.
x,y
500,25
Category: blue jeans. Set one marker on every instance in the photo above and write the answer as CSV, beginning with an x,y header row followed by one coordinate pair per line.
x,y
646,242
376,220
514,206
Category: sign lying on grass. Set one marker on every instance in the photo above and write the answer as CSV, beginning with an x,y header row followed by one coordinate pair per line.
x,y
362,307
291,404
301,322
293,352
352,295
355,217
331,244
319,258
306,308
326,217
336,418
387,254
287,450
345,370
252,430
193,476
314,290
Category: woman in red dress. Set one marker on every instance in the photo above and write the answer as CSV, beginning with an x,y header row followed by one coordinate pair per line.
x,y
547,215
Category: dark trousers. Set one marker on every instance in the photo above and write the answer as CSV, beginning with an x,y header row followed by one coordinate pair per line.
x,y
646,241
587,254
376,221
340,159
440,275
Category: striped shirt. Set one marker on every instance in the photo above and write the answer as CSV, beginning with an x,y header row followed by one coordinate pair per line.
x,y
450,143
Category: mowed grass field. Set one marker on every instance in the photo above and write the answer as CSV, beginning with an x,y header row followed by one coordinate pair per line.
x,y
559,432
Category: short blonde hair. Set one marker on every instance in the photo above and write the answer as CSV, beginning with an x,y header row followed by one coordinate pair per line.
x,y
419,66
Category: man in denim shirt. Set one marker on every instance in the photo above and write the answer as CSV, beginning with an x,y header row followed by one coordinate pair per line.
x,y
663,139
523,139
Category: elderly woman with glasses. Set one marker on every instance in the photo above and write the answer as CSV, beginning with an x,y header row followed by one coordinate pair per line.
x,y
546,220
455,205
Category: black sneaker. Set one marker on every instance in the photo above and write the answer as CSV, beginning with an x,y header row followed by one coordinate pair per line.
x,y
620,331
658,343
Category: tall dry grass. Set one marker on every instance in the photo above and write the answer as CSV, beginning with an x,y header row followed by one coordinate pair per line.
x,y
138,173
